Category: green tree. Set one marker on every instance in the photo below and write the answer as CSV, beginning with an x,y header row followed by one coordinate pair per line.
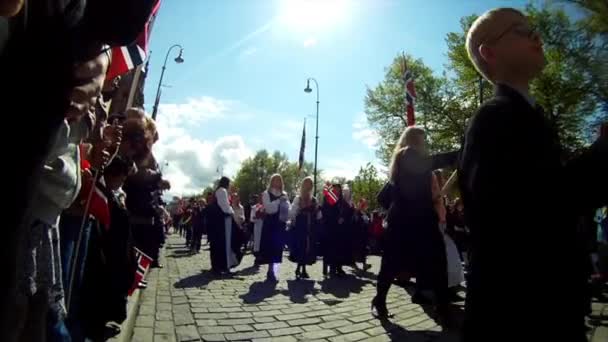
x,y
254,174
367,184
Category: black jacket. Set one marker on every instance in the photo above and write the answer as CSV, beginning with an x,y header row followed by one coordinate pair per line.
x,y
527,258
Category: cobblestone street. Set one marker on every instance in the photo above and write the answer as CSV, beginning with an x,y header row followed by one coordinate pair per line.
x,y
185,302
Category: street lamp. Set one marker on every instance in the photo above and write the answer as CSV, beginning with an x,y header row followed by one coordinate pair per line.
x,y
309,90
178,60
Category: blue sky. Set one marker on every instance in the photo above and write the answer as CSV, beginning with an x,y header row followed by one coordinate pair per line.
x,y
240,88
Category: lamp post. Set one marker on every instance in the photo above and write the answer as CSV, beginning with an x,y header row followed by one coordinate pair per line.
x,y
178,60
309,90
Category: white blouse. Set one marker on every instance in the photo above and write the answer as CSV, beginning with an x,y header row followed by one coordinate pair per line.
x,y
295,208
271,207
221,196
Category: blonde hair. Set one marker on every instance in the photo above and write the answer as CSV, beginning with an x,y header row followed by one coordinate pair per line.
x,y
486,27
302,194
406,139
276,175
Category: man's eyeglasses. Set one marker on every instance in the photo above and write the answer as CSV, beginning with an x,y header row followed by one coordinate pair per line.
x,y
518,29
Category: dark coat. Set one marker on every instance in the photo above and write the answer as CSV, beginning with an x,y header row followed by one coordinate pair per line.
x,y
525,260
338,237
413,241
303,235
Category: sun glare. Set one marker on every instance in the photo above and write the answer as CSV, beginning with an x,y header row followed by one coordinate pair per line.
x,y
310,16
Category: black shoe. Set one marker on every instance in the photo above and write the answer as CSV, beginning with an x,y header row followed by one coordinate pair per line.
x,y
379,309
305,275
157,265
455,298
298,274
420,299
142,285
340,272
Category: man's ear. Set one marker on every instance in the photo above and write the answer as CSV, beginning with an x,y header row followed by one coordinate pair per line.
x,y
486,53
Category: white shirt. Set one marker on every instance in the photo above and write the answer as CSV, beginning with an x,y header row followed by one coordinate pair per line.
x,y
239,214
272,207
221,196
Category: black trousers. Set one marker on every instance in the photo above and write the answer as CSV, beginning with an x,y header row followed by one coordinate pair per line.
x,y
197,236
147,239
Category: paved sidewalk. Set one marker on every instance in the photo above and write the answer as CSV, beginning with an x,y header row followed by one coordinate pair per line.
x,y
185,302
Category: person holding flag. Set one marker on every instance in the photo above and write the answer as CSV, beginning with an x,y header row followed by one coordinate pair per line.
x,y
337,222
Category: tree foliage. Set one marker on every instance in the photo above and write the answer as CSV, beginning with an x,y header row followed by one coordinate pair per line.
x,y
255,172
367,184
572,87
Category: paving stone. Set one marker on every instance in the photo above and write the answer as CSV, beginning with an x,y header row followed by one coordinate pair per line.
x,y
318,334
355,336
145,309
239,314
144,321
215,329
354,327
361,318
210,315
272,325
264,319
243,327
142,334
164,327
198,310
313,313
276,339
187,333
235,321
289,317
183,318
164,338
246,335
285,331
304,321
205,322
164,315
213,337
267,313
334,324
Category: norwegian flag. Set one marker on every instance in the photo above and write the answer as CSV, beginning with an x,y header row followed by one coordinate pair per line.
x,y
302,147
143,263
329,194
410,94
98,205
125,58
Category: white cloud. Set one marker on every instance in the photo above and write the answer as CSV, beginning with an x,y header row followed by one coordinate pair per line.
x,y
363,133
192,163
310,42
348,167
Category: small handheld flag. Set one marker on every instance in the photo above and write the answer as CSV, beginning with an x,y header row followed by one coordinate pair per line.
x,y
143,262
330,196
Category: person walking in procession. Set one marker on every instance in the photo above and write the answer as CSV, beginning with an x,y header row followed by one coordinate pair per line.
x,y
272,240
512,156
305,215
337,223
220,230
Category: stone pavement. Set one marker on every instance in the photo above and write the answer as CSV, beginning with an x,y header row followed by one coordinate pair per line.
x,y
185,302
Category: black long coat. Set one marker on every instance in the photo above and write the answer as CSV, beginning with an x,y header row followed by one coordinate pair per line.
x,y
337,238
527,260
413,242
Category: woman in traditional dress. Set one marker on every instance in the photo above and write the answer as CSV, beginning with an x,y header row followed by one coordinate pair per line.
x,y
337,223
223,257
414,244
304,215
272,239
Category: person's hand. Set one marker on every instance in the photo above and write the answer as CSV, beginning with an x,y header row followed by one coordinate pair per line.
x,y
89,77
112,135
99,156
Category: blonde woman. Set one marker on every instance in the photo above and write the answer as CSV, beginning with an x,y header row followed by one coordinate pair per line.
x,y
414,244
272,239
304,215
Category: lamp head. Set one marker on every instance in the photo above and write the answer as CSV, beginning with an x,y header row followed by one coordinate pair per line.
x,y
179,59
307,89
